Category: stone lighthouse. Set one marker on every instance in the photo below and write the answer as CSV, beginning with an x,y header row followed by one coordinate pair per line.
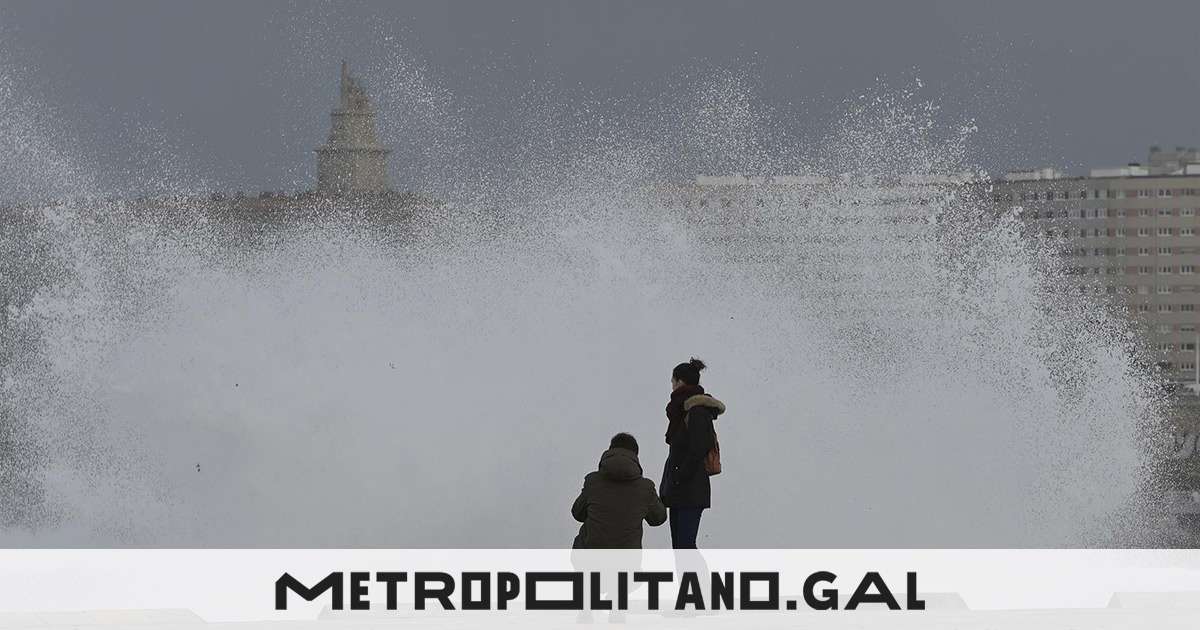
x,y
352,162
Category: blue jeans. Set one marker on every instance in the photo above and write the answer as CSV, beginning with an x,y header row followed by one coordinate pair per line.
x,y
685,526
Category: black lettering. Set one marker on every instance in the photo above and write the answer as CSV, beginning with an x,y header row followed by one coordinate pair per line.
x,y
286,582
508,588
862,596
597,602
358,590
830,599
689,592
422,590
722,590
622,590
771,602
485,591
913,603
652,580
391,579
533,603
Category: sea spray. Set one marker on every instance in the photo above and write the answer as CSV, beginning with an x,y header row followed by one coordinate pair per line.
x,y
446,380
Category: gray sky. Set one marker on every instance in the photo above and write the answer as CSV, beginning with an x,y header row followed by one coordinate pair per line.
x,y
238,92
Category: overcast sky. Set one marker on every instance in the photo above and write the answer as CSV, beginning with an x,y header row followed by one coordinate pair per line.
x,y
237,93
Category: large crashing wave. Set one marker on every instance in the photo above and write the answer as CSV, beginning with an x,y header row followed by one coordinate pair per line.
x,y
448,383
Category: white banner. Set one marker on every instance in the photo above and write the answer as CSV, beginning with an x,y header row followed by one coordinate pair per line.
x,y
809,588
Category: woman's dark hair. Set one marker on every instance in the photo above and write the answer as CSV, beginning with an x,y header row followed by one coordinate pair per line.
x,y
688,372
625,441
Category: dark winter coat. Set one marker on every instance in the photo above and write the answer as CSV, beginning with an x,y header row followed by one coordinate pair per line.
x,y
613,503
685,483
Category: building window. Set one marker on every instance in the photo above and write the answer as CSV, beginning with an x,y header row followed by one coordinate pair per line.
x,y
1145,212
1162,329
1164,308
1165,212
1143,308
1121,232
1187,269
1165,270
1164,192
1187,212
1164,289
1164,251
1165,347
1143,193
1164,231
1188,345
1187,328
1144,232
1187,308
1143,251
1145,271
1187,231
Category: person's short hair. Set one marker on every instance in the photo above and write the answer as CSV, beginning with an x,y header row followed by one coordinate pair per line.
x,y
625,441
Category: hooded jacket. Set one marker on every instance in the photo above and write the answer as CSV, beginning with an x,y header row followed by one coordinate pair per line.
x,y
613,503
685,483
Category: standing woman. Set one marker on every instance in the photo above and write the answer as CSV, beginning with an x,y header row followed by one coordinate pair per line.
x,y
685,487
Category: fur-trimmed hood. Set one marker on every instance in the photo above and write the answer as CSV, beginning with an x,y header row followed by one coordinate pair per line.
x,y
704,400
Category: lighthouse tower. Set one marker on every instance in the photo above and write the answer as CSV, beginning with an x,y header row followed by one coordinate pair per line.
x,y
352,162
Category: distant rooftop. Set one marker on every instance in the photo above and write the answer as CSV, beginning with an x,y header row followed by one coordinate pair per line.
x,y
1178,161
737,179
1034,175
925,179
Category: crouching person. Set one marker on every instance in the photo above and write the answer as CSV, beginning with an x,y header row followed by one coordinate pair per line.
x,y
616,499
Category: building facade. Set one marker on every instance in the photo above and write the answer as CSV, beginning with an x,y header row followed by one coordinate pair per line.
x,y
352,161
1128,233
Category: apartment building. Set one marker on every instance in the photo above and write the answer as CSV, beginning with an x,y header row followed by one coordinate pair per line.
x,y
1129,233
